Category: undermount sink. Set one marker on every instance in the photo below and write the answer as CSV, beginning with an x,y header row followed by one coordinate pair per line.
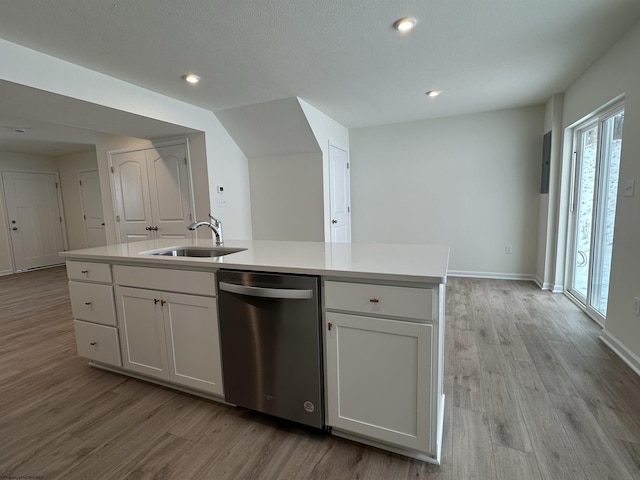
x,y
195,251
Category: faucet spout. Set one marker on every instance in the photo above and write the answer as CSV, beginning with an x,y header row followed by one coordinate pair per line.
x,y
215,225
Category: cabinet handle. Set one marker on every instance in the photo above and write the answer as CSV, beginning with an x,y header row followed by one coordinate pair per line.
x,y
93,343
374,300
330,325
162,303
155,229
155,301
88,303
84,271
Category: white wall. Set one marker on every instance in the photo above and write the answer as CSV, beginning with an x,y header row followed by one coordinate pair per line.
x,y
548,202
224,159
470,182
327,132
25,163
286,197
68,167
614,74
285,169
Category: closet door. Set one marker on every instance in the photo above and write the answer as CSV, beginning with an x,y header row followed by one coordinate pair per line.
x,y
131,196
169,191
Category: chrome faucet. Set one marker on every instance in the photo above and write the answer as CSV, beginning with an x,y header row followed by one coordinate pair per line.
x,y
215,225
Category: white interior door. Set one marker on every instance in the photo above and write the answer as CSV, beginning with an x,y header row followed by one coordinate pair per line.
x,y
169,191
340,194
131,196
92,208
35,221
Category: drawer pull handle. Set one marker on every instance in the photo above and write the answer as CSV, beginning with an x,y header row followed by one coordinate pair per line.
x,y
374,300
84,271
93,343
88,303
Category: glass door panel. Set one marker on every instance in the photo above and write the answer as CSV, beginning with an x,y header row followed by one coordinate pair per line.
x,y
586,164
611,145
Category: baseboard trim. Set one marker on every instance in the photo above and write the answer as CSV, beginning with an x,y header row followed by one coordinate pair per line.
x,y
619,348
493,275
6,272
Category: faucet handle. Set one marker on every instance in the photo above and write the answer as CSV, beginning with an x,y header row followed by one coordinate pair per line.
x,y
214,218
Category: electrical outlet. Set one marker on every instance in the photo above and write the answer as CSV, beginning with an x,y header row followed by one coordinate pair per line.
x,y
636,308
508,249
628,187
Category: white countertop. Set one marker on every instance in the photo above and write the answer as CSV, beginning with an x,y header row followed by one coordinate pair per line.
x,y
413,263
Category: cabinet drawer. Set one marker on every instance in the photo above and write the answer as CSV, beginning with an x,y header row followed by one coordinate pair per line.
x,y
89,271
407,302
92,302
181,281
98,342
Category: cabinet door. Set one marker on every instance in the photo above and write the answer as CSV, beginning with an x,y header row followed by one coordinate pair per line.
x,y
379,379
144,348
131,196
169,191
193,345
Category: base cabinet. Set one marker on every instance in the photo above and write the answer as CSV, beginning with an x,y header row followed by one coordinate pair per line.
x,y
379,379
170,336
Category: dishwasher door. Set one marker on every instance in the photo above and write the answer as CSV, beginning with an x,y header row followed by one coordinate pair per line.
x,y
271,344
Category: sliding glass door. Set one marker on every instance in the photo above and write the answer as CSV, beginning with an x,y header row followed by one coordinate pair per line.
x,y
594,189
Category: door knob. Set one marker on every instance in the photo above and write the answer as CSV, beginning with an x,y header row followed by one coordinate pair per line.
x,y
334,221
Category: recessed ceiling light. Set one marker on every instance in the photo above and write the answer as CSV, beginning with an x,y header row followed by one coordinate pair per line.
x,y
405,24
432,93
191,78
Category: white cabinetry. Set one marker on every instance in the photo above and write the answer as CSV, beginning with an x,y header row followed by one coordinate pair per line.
x,y
93,310
381,357
152,193
167,334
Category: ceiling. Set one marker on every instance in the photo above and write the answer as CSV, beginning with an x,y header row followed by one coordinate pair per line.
x,y
342,57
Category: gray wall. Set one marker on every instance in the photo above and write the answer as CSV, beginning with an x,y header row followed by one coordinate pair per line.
x,y
470,182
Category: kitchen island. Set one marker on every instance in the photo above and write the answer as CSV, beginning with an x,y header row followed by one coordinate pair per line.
x,y
155,317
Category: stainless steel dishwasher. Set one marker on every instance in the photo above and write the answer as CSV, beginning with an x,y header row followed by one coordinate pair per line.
x,y
271,344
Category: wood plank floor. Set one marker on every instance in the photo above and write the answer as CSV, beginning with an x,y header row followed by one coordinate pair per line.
x,y
531,394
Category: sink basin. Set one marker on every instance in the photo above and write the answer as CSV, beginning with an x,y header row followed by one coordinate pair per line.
x,y
195,251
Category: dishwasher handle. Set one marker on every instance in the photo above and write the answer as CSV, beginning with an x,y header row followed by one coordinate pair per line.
x,y
281,293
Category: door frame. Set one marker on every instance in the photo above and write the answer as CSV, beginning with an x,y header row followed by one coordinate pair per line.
x,y
594,119
7,221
